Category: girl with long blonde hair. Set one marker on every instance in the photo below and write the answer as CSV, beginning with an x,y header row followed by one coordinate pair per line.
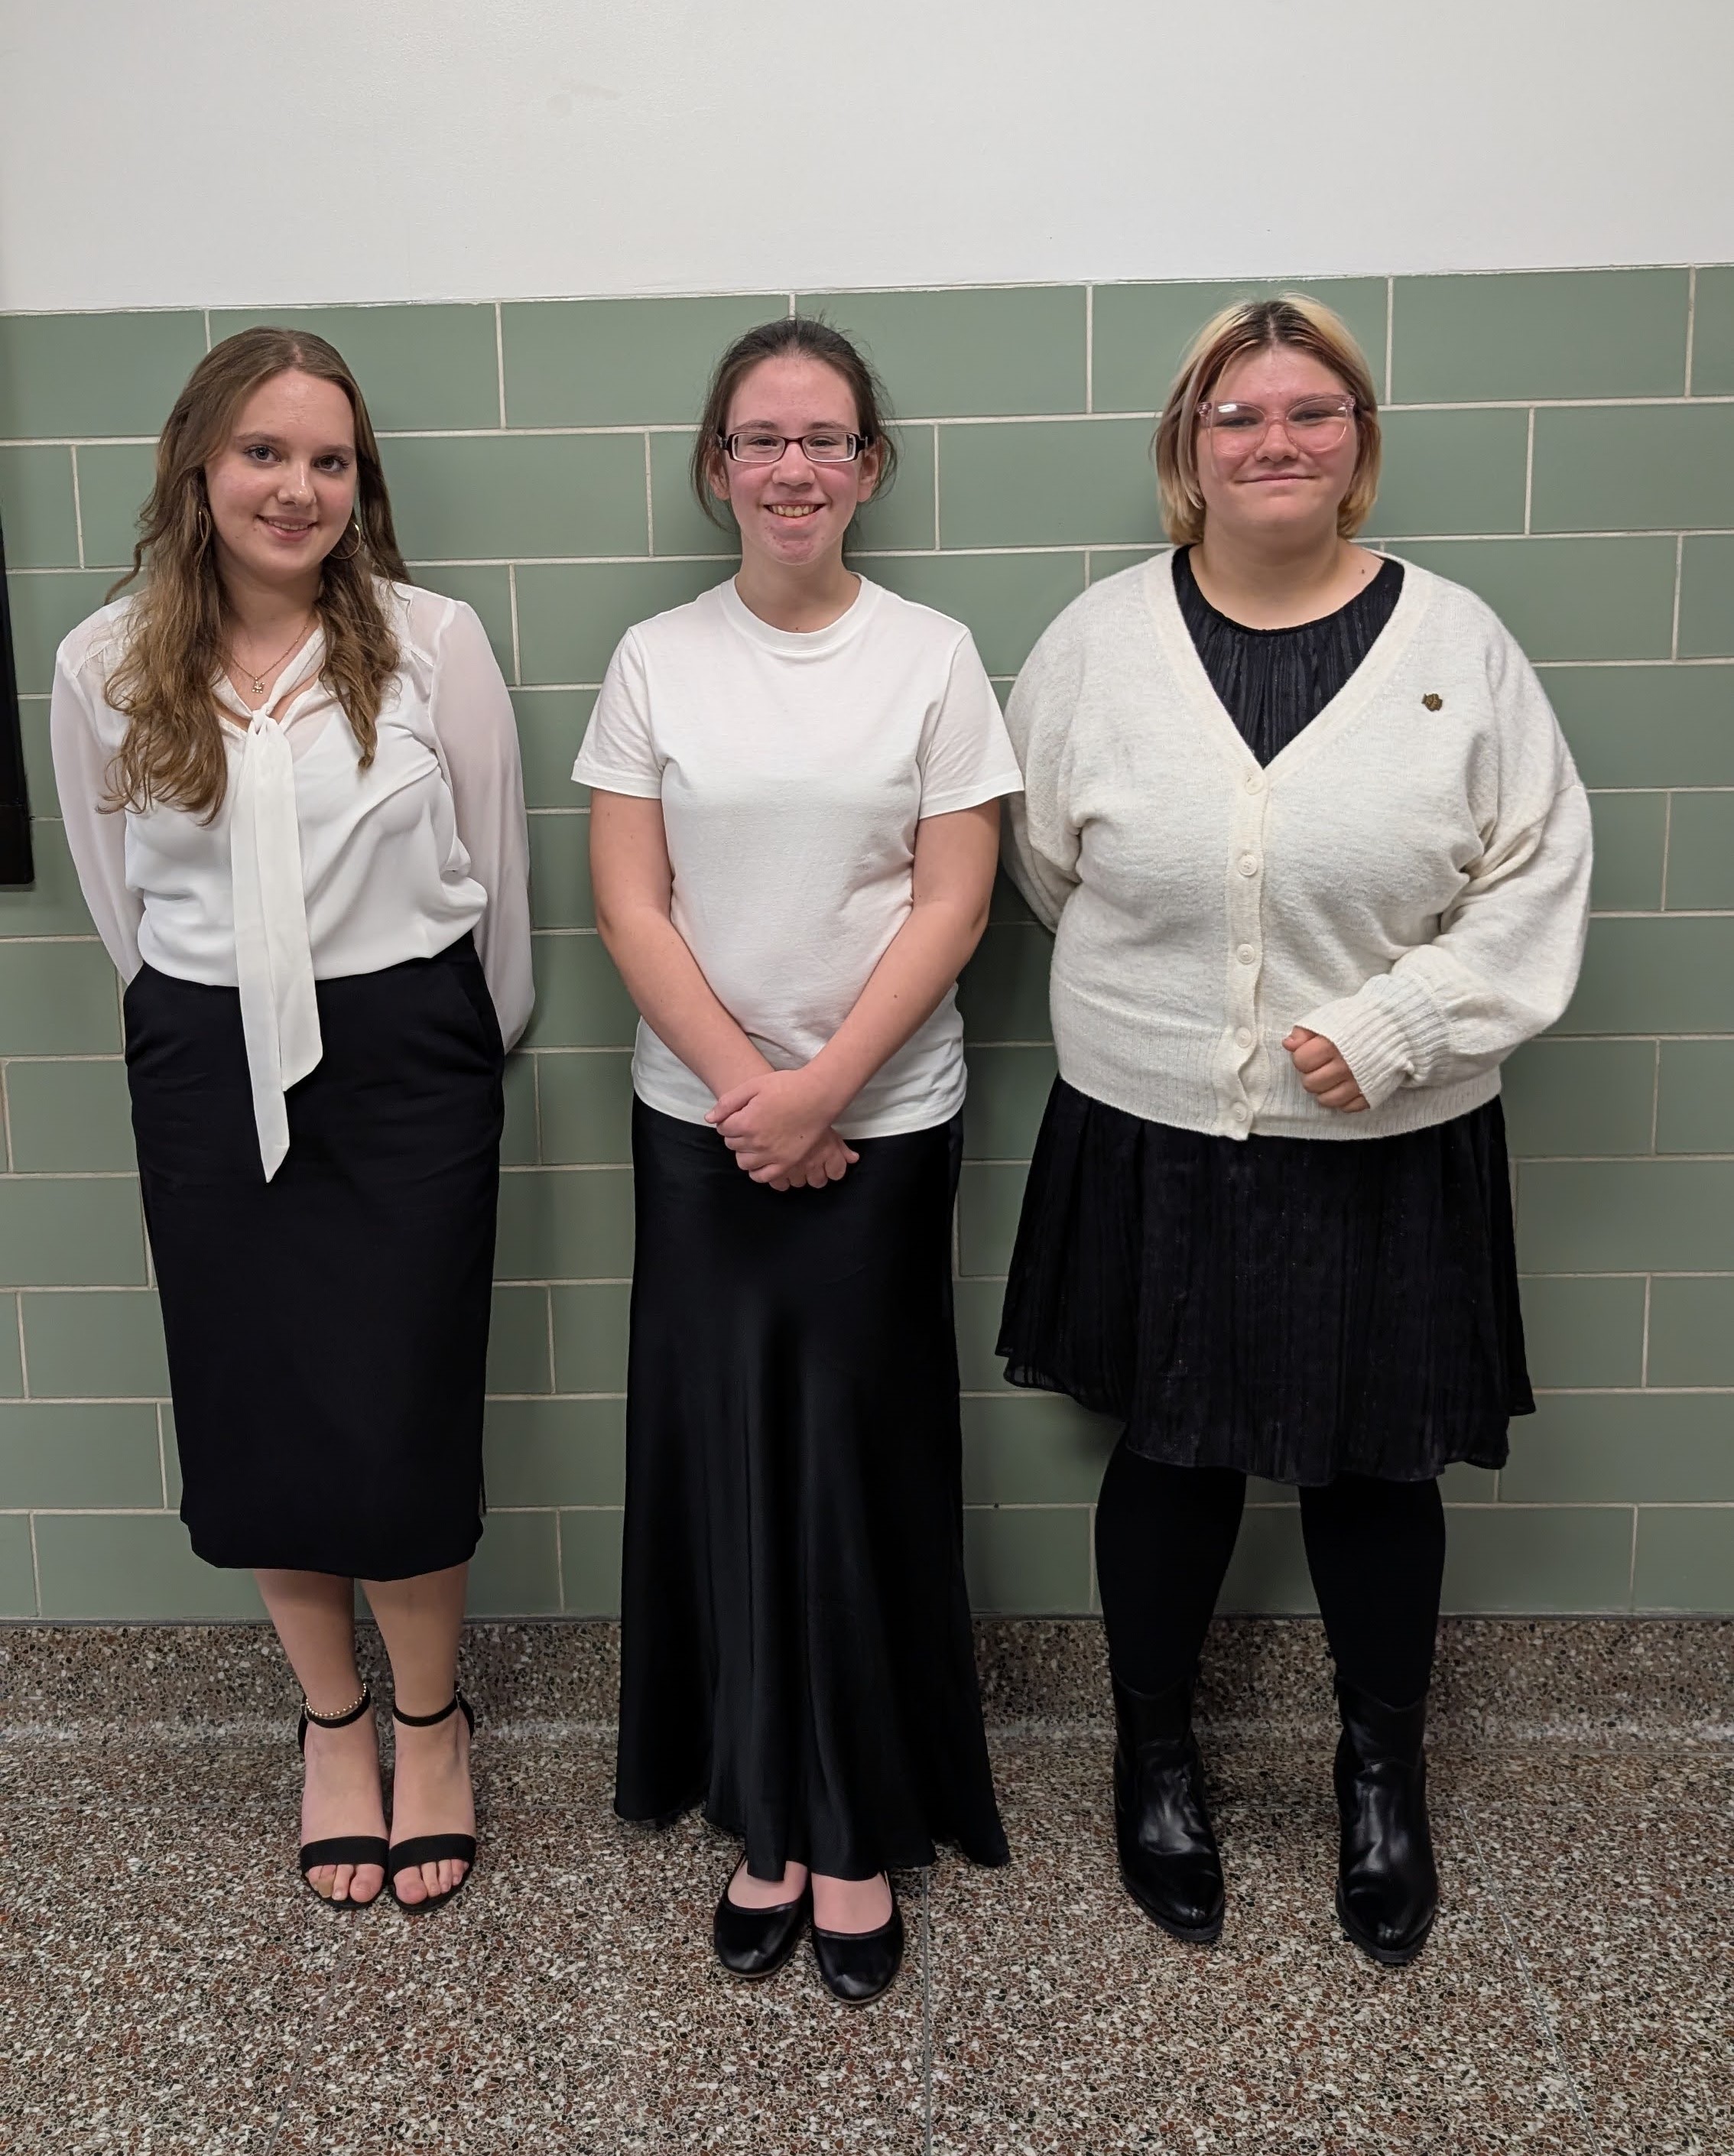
x,y
291,787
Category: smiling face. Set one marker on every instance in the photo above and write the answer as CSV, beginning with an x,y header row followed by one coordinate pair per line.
x,y
793,514
1270,485
283,487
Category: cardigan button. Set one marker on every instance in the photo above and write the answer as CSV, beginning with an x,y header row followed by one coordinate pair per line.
x,y
1248,954
1239,1112
1255,781
1248,864
1242,1038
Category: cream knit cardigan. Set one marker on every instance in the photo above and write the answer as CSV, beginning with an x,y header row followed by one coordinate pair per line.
x,y
1409,877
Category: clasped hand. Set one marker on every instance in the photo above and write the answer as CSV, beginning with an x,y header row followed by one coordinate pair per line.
x,y
777,1126
1324,1072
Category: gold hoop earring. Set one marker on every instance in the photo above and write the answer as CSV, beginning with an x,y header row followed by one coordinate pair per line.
x,y
353,533
201,525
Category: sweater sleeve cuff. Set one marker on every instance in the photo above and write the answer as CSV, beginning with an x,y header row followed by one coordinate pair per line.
x,y
1388,1033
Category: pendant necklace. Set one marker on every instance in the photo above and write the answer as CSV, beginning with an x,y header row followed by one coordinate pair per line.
x,y
258,680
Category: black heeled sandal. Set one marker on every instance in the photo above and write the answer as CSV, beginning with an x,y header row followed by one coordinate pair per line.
x,y
431,1848
355,1849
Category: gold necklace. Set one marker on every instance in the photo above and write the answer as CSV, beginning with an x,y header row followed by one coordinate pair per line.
x,y
258,679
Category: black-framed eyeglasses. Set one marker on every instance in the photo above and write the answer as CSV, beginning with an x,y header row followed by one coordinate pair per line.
x,y
824,445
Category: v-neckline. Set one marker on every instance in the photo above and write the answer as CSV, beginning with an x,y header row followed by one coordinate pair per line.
x,y
294,671
1348,703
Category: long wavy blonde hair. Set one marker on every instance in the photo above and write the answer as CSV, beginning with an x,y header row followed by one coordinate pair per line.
x,y
172,753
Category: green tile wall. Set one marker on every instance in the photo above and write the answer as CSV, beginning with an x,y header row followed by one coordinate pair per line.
x,y
1563,442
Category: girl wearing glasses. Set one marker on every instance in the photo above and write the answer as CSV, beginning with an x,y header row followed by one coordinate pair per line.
x,y
1316,860
795,805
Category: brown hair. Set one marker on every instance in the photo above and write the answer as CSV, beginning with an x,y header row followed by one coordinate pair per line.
x,y
172,753
801,335
1262,326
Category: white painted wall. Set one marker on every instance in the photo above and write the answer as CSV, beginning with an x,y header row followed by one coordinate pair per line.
x,y
173,152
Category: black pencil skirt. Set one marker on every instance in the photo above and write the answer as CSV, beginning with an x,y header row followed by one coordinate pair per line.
x,y
796,1651
327,1330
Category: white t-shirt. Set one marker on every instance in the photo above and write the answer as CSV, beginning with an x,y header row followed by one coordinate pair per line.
x,y
792,770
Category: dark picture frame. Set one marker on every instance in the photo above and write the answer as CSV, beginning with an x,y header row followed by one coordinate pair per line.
x,y
17,865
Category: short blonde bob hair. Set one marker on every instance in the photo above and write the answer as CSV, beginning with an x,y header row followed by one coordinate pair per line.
x,y
1261,325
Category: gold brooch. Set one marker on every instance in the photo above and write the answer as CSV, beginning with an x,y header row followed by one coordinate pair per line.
x,y
1433,701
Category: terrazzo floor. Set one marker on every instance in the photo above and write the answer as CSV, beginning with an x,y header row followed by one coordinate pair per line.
x,y
165,1986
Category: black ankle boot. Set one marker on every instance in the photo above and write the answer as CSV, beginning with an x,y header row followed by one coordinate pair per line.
x,y
1167,1852
1386,1886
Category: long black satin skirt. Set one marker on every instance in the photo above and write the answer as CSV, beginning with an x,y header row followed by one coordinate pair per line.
x,y
796,1651
327,1330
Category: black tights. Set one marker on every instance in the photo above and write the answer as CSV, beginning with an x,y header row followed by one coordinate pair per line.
x,y
1164,1535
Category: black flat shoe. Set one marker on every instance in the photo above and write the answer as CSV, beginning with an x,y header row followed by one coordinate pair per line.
x,y
756,1943
338,1848
1387,1884
423,1848
1168,1858
857,1966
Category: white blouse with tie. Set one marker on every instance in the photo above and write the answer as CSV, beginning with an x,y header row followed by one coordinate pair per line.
x,y
311,868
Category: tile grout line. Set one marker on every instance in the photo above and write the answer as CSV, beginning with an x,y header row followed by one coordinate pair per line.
x,y
1643,1350
1090,347
1050,549
35,1566
1390,330
927,2011
1678,579
649,503
78,507
347,1949
1536,2005
1544,271
599,431
500,360
1667,841
1529,474
1691,324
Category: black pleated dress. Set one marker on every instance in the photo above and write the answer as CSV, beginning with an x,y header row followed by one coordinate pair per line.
x,y
796,1648
1294,1308
327,1330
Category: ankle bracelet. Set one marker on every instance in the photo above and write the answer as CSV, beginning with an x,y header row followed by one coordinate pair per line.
x,y
352,1712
